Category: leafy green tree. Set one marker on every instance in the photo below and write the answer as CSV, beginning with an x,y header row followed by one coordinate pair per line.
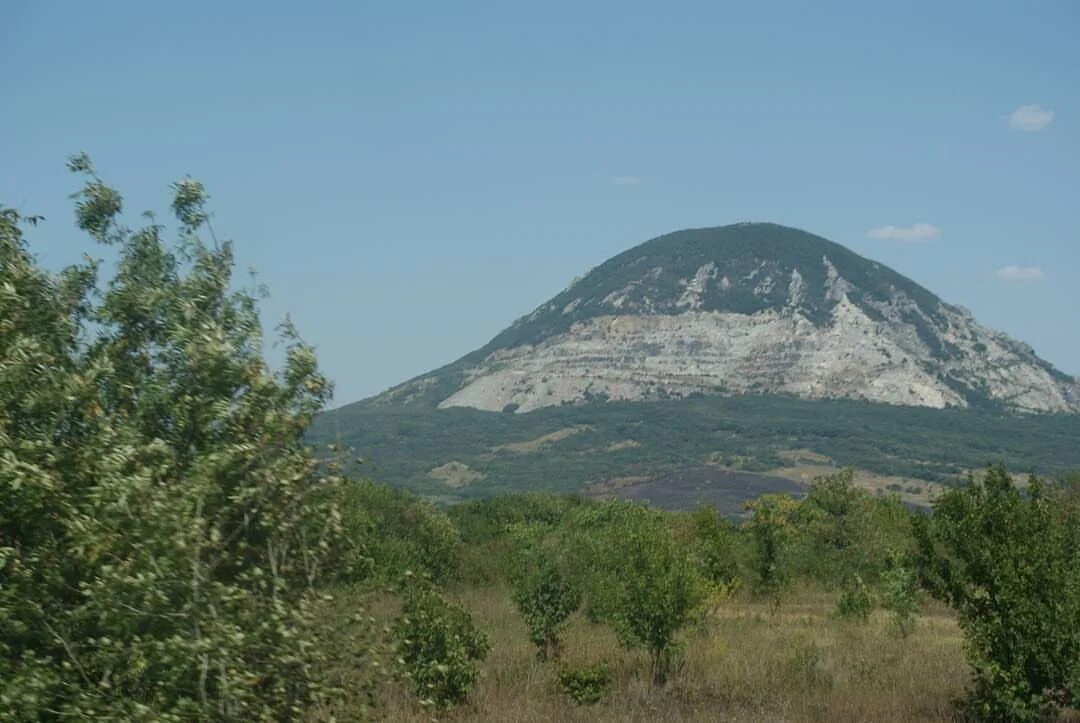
x,y
832,506
545,595
438,645
900,593
1008,561
639,580
712,540
772,529
163,523
841,531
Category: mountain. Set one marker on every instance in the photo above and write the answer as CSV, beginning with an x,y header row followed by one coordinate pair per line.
x,y
750,308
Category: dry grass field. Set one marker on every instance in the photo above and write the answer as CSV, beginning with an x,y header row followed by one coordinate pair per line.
x,y
746,660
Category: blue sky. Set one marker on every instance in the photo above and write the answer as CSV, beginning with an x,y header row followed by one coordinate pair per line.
x,y
408,178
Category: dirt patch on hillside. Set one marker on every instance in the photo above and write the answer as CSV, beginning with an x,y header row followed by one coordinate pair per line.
x,y
917,492
532,446
455,474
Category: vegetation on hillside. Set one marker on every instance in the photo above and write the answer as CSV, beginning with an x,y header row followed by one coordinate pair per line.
x,y
751,433
746,252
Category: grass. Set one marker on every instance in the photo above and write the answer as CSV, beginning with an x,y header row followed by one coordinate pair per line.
x,y
747,660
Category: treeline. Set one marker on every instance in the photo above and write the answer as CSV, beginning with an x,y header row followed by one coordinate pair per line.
x,y
1004,557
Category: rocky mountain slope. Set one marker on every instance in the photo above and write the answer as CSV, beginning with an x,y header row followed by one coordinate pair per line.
x,y
746,308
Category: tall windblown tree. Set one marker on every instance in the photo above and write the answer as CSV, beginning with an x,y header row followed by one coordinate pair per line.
x,y
162,523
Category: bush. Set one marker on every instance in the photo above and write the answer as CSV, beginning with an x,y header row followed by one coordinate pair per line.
x,y
485,527
855,602
390,532
900,594
585,684
1009,563
437,645
162,524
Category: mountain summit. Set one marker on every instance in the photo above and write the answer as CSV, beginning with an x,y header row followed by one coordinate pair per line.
x,y
746,308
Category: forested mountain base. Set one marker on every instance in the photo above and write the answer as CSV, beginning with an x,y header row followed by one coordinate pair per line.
x,y
458,454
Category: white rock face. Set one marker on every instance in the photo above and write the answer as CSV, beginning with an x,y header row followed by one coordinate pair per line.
x,y
636,357
749,308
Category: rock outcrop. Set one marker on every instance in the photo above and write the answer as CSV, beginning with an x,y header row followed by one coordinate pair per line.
x,y
749,308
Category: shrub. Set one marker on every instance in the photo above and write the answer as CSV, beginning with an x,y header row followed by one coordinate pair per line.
x,y
900,594
1009,563
585,684
162,524
391,531
855,602
437,645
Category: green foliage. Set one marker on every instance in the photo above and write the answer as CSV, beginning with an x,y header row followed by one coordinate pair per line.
x,y
712,541
485,520
586,684
844,531
1008,561
855,602
638,579
543,592
437,645
771,529
832,507
388,532
485,527
163,523
900,593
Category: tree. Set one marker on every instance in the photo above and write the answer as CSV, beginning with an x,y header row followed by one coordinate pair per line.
x,y
639,580
543,592
163,523
771,528
1008,561
711,539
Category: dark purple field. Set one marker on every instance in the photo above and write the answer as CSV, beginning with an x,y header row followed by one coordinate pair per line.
x,y
728,490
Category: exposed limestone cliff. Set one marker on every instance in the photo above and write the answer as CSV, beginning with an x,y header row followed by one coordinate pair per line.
x,y
750,308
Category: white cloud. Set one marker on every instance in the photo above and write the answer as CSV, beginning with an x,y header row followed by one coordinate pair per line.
x,y
1020,273
626,180
916,232
1030,118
